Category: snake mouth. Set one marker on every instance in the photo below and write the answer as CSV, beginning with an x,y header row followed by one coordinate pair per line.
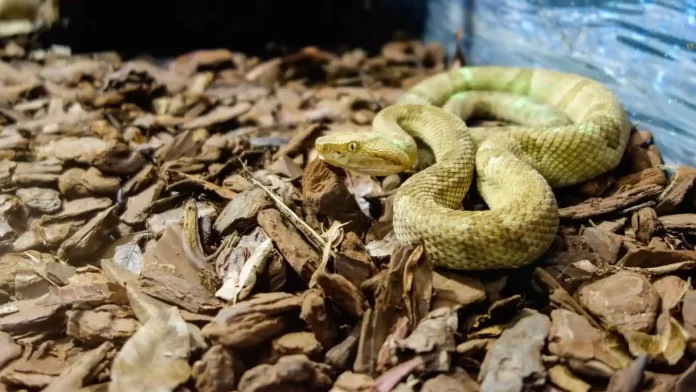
x,y
366,166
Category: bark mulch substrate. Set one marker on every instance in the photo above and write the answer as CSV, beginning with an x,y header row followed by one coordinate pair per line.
x,y
168,228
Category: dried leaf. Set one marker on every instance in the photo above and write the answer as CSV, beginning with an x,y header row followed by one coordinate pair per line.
x,y
248,275
514,360
564,378
668,346
155,358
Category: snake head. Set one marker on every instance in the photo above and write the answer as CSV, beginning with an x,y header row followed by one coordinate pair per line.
x,y
364,152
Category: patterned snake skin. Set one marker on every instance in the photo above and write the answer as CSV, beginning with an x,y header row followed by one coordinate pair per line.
x,y
571,129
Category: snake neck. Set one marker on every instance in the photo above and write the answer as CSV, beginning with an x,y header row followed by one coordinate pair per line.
x,y
443,132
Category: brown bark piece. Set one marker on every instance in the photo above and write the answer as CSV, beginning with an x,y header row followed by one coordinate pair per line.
x,y
297,343
78,208
136,210
326,194
299,141
191,62
39,174
237,183
88,240
457,381
30,316
98,184
643,158
688,313
560,297
680,184
645,224
646,177
573,338
301,256
646,258
456,291
596,187
612,226
218,370
293,373
9,350
353,382
141,180
353,247
83,149
679,223
625,299
241,212
389,307
342,292
219,115
342,355
40,200
671,289
107,323
356,271
658,244
434,333
166,286
252,321
606,244
316,315
169,251
276,273
601,206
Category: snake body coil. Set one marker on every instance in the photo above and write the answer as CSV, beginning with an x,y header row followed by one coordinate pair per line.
x,y
571,129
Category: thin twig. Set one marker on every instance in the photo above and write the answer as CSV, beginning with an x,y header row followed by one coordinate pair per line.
x,y
312,235
35,268
333,235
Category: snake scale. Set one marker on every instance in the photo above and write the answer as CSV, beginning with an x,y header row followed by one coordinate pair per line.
x,y
566,129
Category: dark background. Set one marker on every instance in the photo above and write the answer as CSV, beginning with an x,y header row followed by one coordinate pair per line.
x,y
163,28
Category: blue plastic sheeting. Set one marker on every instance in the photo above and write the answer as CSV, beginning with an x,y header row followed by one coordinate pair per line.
x,y
645,51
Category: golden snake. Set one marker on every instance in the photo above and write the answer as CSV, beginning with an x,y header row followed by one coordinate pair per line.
x,y
571,128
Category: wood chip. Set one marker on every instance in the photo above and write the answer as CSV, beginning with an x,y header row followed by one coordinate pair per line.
x,y
681,183
596,207
251,322
625,299
301,256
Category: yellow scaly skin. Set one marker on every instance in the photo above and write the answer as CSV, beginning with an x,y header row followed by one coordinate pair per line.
x,y
516,166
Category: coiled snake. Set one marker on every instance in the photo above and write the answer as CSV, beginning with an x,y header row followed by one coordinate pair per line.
x,y
571,129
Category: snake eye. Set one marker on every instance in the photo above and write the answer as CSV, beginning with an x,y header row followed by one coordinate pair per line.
x,y
352,146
